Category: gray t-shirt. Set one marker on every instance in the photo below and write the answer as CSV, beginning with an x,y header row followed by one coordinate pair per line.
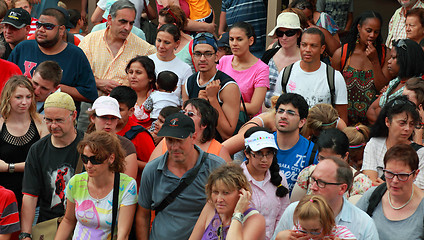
x,y
409,228
177,220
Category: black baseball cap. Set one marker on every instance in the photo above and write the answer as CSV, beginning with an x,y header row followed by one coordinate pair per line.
x,y
17,17
224,40
177,125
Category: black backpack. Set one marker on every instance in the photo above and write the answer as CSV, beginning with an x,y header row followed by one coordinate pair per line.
x,y
135,130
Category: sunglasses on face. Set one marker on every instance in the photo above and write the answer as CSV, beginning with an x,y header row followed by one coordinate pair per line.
x,y
92,159
47,26
288,33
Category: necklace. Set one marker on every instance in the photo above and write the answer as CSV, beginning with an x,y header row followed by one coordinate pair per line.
x,y
397,208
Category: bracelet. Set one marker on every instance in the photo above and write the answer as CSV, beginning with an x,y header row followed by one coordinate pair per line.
x,y
238,216
11,167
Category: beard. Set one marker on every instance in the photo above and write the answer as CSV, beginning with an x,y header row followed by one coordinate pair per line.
x,y
48,43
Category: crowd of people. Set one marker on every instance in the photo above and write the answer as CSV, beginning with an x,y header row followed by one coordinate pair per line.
x,y
137,131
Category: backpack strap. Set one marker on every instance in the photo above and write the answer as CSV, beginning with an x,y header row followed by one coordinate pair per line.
x,y
313,153
135,130
330,80
286,75
343,59
376,198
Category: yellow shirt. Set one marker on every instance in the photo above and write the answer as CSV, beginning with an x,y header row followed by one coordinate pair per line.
x,y
102,61
199,9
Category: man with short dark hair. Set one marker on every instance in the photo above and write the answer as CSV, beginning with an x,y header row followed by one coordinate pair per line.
x,y
218,88
183,161
308,76
16,28
294,151
78,80
331,178
46,80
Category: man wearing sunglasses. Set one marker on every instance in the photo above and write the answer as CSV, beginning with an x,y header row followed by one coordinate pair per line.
x,y
208,83
16,28
50,164
331,178
77,78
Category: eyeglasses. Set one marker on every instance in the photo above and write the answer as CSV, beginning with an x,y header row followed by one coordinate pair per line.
x,y
188,113
47,26
299,228
289,112
288,33
200,54
55,121
401,176
400,44
92,159
260,155
320,183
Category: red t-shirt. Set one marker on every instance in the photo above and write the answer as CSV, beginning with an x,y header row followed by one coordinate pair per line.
x,y
7,70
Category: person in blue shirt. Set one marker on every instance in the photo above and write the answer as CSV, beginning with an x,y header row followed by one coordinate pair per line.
x,y
294,151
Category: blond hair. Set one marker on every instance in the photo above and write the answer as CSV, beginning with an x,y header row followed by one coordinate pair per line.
x,y
320,117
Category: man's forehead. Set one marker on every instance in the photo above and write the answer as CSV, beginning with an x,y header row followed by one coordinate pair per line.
x,y
203,47
287,106
325,168
127,14
48,19
54,112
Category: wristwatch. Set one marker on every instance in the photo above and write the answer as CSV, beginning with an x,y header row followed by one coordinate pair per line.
x,y
11,167
23,235
238,216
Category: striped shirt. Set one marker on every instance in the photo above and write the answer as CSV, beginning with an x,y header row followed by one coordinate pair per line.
x,y
9,215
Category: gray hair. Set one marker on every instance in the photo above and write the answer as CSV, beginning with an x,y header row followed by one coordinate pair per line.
x,y
121,4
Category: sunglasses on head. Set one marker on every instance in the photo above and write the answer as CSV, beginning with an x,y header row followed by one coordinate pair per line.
x,y
92,159
47,26
288,33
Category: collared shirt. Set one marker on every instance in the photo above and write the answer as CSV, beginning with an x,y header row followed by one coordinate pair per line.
x,y
265,201
177,220
102,61
397,28
356,220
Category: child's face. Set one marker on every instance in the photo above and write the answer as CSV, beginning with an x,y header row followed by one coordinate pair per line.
x,y
311,227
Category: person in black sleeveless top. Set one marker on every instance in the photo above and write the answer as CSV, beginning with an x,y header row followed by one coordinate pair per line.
x,y
21,126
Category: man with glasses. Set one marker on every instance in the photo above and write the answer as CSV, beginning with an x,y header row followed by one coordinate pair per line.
x,y
218,88
331,178
50,164
294,151
16,28
184,164
313,79
77,78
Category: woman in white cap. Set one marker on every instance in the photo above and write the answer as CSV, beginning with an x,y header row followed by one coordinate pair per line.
x,y
287,32
269,185
104,116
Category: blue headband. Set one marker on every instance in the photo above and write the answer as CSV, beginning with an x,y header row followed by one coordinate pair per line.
x,y
205,38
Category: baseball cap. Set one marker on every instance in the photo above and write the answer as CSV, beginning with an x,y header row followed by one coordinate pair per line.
x,y
205,38
105,105
260,140
286,20
177,125
60,100
224,40
17,17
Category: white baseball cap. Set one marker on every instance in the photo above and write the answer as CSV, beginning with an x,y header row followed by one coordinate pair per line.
x,y
260,140
288,20
105,105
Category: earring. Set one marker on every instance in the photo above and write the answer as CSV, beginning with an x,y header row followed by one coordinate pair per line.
x,y
357,38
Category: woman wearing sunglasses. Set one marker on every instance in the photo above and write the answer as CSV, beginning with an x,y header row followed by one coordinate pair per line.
x,y
89,195
287,32
406,58
314,219
398,211
394,126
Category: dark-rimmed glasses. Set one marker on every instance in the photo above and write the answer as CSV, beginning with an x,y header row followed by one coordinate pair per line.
x,y
200,54
47,26
403,177
260,155
92,159
321,183
288,33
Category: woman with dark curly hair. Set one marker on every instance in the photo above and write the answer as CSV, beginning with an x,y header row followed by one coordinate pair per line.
x,y
363,63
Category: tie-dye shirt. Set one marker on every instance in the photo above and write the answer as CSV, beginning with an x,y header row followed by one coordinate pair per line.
x,y
94,216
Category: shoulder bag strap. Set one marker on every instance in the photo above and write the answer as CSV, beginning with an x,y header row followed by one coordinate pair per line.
x,y
115,202
183,184
376,198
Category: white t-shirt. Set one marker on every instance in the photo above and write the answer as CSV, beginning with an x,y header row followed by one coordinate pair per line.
x,y
313,86
158,100
182,69
139,6
374,159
